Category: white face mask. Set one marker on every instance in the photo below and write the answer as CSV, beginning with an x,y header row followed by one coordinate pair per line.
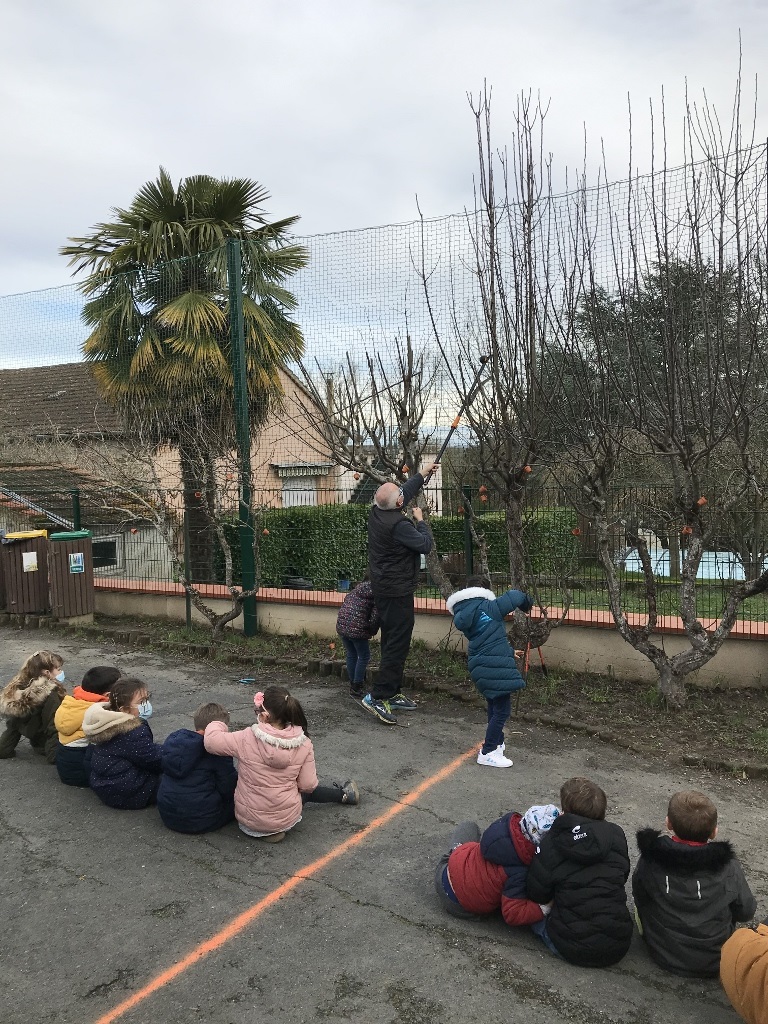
x,y
60,677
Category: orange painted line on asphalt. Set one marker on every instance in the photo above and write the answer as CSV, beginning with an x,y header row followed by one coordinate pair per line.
x,y
239,923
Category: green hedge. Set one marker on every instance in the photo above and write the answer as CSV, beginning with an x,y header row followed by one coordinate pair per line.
x,y
327,543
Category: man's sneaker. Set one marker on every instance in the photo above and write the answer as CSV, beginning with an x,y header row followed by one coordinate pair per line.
x,y
495,759
380,708
401,703
351,792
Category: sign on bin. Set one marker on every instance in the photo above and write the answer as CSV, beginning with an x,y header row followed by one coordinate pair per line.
x,y
29,561
77,562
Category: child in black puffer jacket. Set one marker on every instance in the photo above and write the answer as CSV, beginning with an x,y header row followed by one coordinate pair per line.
x,y
357,622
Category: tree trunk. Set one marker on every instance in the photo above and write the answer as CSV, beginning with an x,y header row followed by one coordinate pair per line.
x,y
198,497
671,686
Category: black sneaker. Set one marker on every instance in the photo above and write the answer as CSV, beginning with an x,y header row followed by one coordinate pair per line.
x,y
401,703
356,694
351,792
380,708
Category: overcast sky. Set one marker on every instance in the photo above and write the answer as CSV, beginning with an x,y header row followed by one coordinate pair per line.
x,y
344,110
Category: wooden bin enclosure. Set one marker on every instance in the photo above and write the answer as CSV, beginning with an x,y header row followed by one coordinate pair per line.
x,y
71,561
24,570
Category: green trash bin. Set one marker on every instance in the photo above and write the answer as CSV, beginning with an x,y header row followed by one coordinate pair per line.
x,y
71,568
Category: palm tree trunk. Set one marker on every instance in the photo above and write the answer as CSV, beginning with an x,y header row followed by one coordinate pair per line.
x,y
199,497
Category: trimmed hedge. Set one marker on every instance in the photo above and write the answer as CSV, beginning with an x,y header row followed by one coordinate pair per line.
x,y
327,543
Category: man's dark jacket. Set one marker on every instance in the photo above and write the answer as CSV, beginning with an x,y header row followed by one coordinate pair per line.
x,y
583,865
395,546
688,899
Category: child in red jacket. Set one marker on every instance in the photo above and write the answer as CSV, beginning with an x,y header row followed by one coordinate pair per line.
x,y
481,874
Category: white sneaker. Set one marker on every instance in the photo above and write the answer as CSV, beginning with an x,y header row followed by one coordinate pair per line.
x,y
495,759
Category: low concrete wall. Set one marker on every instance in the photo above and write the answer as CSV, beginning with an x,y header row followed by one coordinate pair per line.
x,y
741,662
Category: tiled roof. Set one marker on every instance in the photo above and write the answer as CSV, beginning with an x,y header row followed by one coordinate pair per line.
x,y
45,400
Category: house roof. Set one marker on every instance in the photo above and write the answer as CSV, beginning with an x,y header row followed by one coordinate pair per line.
x,y
42,496
42,400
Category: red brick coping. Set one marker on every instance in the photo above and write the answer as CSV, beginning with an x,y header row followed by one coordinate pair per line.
x,y
746,629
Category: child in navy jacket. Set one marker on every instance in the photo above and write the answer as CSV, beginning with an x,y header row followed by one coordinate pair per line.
x,y
125,761
481,874
197,789
357,622
480,615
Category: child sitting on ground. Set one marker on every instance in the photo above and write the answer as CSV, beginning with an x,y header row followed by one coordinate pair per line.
x,y
197,789
479,874
480,615
72,755
276,767
125,761
581,868
356,623
689,890
29,703
744,972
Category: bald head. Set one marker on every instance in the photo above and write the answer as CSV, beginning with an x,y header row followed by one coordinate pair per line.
x,y
387,496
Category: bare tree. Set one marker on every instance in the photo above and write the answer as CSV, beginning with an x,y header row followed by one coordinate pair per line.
x,y
370,417
671,346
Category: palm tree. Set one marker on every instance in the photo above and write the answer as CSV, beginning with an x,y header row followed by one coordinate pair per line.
x,y
158,309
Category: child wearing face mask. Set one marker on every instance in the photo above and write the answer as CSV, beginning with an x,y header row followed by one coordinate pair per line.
x,y
276,767
125,760
29,703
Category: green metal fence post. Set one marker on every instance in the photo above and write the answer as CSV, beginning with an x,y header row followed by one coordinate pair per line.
x,y
237,338
76,518
187,570
469,553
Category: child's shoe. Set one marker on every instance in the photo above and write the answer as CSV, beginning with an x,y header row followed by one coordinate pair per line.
x,y
356,692
276,837
351,792
494,759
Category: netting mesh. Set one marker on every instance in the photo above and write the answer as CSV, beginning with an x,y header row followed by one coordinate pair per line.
x,y
118,407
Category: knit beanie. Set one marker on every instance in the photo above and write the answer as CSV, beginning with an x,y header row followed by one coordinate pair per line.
x,y
537,820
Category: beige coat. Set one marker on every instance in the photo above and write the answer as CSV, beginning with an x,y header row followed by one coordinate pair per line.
x,y
275,766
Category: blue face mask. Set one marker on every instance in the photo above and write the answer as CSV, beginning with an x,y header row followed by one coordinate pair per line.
x,y
60,677
145,710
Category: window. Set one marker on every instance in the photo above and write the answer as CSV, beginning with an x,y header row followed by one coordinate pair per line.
x,y
107,552
299,490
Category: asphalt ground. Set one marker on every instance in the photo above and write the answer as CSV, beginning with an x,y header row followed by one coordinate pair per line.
x,y
96,905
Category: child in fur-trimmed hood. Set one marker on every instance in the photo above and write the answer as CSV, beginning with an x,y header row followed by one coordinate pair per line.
x,y
276,766
29,703
125,760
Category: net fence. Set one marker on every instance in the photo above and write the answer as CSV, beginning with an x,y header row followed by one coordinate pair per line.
x,y
119,393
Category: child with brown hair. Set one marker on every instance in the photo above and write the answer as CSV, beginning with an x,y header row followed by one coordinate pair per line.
x,y
125,760
72,760
276,767
29,704
580,870
197,789
689,889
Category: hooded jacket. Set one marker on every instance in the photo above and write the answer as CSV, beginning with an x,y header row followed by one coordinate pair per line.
x,y
275,766
480,615
583,865
125,761
30,712
688,899
69,715
744,973
492,873
197,789
358,618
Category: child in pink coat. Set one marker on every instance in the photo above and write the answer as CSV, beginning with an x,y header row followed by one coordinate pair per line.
x,y
276,766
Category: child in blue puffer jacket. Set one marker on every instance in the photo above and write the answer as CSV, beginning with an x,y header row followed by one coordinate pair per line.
x,y
480,615
197,789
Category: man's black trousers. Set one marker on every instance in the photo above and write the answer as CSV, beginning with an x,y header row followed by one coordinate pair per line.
x,y
397,619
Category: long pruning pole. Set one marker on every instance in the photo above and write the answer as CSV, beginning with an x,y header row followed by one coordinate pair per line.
x,y
473,388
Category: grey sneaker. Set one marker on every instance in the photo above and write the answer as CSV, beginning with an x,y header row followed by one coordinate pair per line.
x,y
351,792
380,708
402,703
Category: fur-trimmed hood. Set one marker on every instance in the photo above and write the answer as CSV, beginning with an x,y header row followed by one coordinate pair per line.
x,y
20,702
101,724
467,594
284,739
660,848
